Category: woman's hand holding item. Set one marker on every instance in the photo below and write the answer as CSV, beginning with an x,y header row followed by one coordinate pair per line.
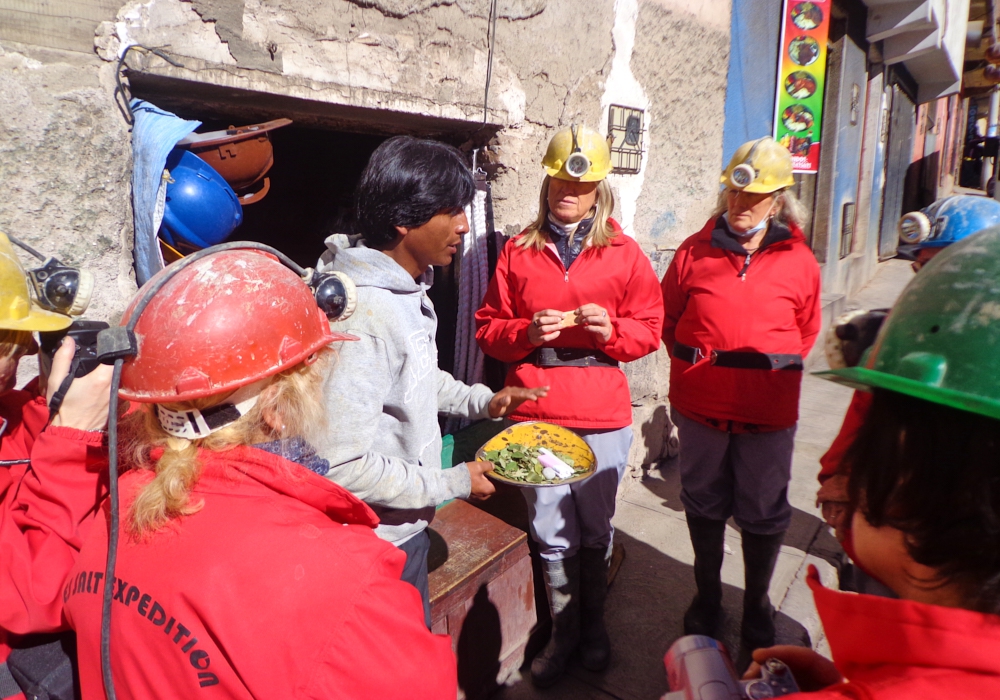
x,y
812,671
596,320
544,326
510,397
85,406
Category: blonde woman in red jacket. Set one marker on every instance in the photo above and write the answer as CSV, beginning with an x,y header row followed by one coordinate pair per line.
x,y
572,298
241,571
742,310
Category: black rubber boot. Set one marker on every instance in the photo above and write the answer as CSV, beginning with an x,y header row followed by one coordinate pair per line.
x,y
760,553
708,540
562,583
595,645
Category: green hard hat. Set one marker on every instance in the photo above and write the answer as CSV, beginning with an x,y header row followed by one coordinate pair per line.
x,y
941,341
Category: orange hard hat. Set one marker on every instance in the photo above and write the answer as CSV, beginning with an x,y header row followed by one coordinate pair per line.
x,y
225,321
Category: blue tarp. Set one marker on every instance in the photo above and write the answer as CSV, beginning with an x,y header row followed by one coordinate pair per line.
x,y
154,135
753,73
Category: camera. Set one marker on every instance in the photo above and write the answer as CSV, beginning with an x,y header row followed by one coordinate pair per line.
x,y
84,333
699,667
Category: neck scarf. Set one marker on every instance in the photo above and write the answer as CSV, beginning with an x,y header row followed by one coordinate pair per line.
x,y
568,238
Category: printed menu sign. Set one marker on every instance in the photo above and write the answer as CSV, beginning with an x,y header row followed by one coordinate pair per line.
x,y
798,111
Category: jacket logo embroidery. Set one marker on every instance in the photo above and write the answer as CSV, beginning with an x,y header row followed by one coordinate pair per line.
x,y
90,582
421,361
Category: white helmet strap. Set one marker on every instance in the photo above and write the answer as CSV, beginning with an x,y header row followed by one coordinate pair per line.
x,y
192,424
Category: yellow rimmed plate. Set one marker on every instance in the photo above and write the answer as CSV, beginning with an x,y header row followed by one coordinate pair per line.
x,y
538,434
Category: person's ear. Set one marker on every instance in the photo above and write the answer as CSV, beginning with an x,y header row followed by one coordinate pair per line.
x,y
402,230
270,416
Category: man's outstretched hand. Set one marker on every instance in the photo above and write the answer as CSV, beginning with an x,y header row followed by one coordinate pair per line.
x,y
510,397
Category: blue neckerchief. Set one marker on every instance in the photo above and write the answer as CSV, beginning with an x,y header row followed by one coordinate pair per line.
x,y
297,450
559,235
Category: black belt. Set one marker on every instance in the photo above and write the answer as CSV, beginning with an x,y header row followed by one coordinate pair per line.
x,y
570,357
739,359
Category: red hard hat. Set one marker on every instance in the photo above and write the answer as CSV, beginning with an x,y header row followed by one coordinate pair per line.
x,y
227,320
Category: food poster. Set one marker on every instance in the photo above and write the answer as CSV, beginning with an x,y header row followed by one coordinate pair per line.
x,y
798,112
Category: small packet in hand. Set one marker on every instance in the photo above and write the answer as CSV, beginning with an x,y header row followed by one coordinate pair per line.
x,y
570,318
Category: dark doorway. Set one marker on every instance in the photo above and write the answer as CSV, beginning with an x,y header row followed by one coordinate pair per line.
x,y
312,187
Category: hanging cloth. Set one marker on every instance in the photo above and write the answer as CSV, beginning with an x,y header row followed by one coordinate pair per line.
x,y
154,135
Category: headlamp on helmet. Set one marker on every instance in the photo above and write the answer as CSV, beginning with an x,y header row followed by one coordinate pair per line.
x,y
914,228
744,174
59,287
578,164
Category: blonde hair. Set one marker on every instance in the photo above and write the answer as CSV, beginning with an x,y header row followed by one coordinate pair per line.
x,y
15,344
601,232
790,209
293,400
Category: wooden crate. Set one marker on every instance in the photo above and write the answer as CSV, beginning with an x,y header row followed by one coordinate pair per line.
x,y
482,594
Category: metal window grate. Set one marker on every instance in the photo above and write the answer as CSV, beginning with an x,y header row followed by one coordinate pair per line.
x,y
625,136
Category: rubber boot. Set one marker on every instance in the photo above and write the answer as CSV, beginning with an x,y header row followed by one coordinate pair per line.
x,y
760,552
562,583
595,645
708,540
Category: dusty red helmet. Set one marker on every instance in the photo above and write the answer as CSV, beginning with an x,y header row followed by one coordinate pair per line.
x,y
223,322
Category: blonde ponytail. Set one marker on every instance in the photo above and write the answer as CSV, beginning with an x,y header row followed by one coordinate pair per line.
x,y
292,401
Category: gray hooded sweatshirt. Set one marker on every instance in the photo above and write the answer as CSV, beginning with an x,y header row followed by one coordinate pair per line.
x,y
384,393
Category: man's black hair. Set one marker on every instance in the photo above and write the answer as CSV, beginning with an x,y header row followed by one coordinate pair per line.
x,y
406,182
933,472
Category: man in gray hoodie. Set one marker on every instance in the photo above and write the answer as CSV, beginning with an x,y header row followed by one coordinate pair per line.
x,y
385,391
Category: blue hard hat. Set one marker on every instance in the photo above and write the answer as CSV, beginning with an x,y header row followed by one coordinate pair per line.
x,y
201,209
946,221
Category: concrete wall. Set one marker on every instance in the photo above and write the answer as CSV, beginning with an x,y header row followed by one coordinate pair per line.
x,y
384,66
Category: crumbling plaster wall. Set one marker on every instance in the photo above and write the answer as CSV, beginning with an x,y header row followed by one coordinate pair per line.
x,y
65,166
552,63
66,149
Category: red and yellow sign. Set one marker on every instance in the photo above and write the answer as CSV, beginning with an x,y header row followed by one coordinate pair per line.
x,y
798,112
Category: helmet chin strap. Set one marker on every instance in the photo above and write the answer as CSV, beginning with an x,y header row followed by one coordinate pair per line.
x,y
192,424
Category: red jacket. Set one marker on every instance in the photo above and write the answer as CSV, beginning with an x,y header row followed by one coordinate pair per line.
x,y
26,414
902,650
832,462
276,587
774,307
618,277
23,415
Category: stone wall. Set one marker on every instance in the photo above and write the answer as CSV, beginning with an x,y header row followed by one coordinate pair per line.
x,y
385,66
65,166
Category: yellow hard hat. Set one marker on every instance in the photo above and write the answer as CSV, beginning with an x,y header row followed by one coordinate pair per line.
x,y
761,166
578,154
18,311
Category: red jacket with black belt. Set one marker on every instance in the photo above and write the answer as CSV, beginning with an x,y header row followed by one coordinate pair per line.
x,y
276,587
903,650
715,299
618,277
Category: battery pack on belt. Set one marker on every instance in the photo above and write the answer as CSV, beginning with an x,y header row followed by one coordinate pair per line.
x,y
739,359
570,357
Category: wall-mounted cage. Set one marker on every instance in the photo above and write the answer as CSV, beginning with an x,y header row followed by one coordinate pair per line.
x,y
625,134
